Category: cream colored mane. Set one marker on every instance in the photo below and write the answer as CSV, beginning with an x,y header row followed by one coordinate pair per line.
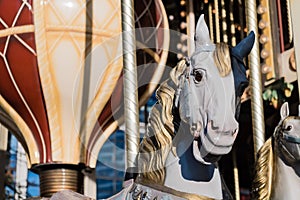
x,y
157,141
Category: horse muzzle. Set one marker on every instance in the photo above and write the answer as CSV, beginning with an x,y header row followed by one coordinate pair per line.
x,y
213,143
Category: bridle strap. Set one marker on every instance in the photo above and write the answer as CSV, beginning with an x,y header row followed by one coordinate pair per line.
x,y
290,138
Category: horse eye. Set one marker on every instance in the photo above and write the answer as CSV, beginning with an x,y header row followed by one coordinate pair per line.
x,y
289,127
198,76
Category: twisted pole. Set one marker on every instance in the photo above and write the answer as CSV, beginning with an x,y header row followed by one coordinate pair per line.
x,y
258,125
130,83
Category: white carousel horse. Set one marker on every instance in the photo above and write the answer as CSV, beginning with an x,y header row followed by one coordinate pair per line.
x,y
277,169
192,124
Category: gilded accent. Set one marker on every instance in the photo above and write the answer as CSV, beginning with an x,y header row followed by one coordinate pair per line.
x,y
265,163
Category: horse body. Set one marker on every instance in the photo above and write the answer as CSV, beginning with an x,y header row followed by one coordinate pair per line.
x,y
277,169
287,184
185,173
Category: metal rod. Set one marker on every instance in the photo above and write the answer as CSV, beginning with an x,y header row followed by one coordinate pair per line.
x,y
241,18
258,125
236,176
232,27
280,26
130,83
218,37
295,15
211,23
288,9
190,27
224,22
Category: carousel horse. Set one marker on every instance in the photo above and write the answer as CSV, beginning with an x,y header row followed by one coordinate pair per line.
x,y
192,124
277,169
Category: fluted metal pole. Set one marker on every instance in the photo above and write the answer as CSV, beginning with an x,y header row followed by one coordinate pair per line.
x,y
255,81
130,83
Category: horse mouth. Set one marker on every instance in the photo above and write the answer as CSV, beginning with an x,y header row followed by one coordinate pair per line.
x,y
210,143
217,142
289,148
211,158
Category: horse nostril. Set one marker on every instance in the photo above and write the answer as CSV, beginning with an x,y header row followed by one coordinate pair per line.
x,y
195,129
235,132
213,125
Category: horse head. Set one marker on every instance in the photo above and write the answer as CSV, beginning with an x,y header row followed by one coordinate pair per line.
x,y
277,166
287,137
210,91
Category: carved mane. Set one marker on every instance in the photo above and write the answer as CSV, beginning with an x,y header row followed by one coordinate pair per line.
x,y
264,173
157,141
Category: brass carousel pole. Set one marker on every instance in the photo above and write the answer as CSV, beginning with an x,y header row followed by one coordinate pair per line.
x,y
255,81
232,27
235,167
224,22
218,37
190,18
211,23
130,83
295,14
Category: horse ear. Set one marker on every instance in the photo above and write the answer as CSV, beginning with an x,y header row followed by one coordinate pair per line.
x,y
284,110
202,34
243,48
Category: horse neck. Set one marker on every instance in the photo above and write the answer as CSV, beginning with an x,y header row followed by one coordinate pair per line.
x,y
185,174
287,182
